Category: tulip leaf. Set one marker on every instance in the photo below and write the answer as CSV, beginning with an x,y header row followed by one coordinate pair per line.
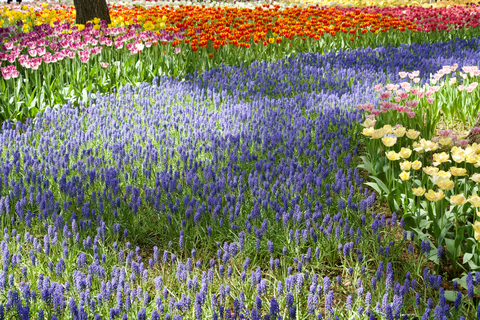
x,y
450,295
381,184
467,257
375,187
455,251
443,233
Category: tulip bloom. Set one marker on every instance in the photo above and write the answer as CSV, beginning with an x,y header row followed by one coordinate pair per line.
x,y
434,196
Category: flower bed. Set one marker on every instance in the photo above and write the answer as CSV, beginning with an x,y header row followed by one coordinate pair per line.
x,y
334,184
178,41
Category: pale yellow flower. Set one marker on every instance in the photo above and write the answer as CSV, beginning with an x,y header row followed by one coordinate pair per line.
x,y
392,155
476,228
474,200
458,172
389,141
439,158
445,141
416,165
412,134
418,191
405,175
405,153
368,123
475,177
430,170
471,158
424,145
470,151
430,146
405,165
458,199
476,147
434,196
445,184
368,131
458,155
440,176
377,134
418,147
387,129
399,132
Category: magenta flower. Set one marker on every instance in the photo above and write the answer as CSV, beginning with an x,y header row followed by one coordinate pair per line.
x,y
9,72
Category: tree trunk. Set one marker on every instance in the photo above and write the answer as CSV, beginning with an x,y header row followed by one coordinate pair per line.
x,y
88,10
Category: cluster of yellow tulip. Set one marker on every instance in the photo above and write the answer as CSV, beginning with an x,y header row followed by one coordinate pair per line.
x,y
468,157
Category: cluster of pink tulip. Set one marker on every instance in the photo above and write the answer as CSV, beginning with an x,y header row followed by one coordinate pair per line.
x,y
9,72
430,19
51,44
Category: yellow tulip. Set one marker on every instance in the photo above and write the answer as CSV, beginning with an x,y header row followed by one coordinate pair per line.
x,y
444,174
430,170
418,191
430,146
446,184
389,141
439,158
470,151
399,132
440,176
416,165
368,131
474,200
458,156
476,228
405,165
405,153
368,123
377,134
412,134
387,129
472,158
392,155
458,172
458,199
445,141
475,177
434,196
405,175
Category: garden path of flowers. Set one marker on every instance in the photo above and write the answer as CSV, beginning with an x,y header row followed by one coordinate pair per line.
x,y
335,184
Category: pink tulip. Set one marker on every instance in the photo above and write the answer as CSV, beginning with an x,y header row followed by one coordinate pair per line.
x,y
385,95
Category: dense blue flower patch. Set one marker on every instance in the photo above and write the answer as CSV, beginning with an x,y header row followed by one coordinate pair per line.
x,y
237,187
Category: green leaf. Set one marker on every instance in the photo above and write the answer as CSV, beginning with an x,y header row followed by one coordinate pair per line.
x,y
375,187
367,165
473,266
444,233
467,257
381,184
455,251
450,295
